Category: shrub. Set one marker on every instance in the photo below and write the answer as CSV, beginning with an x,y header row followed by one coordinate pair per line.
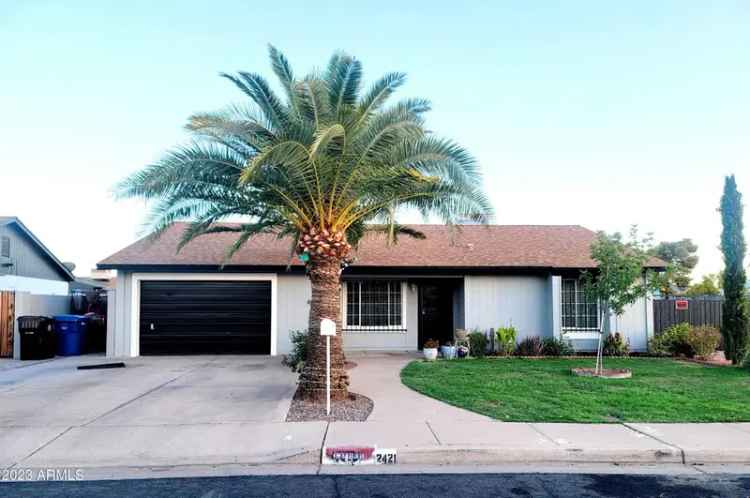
x,y
506,339
477,343
672,341
552,346
746,361
616,345
530,346
703,340
296,359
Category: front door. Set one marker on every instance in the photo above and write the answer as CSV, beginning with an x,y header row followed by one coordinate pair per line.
x,y
435,312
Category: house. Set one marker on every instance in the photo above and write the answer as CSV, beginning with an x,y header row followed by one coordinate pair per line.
x,y
32,281
394,296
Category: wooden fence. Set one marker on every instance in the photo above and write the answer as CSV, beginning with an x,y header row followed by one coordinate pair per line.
x,y
7,323
700,311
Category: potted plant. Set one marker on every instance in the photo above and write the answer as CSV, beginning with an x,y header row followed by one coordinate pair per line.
x,y
462,351
448,350
430,350
506,340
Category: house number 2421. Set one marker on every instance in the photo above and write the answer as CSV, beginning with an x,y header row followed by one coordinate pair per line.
x,y
387,457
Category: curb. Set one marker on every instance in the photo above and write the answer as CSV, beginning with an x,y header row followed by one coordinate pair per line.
x,y
505,456
501,456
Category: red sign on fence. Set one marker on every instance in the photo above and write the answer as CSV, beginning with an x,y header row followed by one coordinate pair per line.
x,y
681,304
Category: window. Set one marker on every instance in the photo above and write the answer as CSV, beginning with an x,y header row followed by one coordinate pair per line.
x,y
5,247
578,311
373,304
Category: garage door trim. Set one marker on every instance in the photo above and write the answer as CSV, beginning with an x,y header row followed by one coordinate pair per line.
x,y
137,278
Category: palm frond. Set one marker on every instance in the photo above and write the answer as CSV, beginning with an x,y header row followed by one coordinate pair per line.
x,y
379,94
319,157
344,77
284,73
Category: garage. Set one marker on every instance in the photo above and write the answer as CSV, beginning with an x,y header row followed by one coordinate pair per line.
x,y
205,317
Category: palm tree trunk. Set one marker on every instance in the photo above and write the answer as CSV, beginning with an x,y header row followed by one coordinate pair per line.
x,y
325,303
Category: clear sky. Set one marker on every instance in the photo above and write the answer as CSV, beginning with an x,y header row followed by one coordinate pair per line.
x,y
597,113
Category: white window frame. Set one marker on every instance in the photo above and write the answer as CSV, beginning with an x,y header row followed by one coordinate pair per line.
x,y
577,292
400,329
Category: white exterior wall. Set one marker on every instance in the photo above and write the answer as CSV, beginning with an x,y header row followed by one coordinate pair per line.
x,y
294,307
637,323
40,286
373,340
497,301
35,304
111,321
555,296
530,303
118,339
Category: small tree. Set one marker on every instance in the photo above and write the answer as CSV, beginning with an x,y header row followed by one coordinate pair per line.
x,y
619,279
734,320
708,286
681,259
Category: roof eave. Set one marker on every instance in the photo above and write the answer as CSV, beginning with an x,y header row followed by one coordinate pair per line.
x,y
60,266
150,267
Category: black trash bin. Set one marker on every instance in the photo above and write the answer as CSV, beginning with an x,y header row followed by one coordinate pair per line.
x,y
37,337
96,333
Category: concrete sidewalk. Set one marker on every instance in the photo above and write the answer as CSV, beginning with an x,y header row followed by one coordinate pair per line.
x,y
419,443
494,443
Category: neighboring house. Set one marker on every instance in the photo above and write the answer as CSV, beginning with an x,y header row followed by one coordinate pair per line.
x,y
32,281
394,296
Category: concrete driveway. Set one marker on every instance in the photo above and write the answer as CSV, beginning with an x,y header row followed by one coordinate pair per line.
x,y
154,411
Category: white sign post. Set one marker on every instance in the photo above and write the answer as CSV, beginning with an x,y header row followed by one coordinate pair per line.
x,y
328,328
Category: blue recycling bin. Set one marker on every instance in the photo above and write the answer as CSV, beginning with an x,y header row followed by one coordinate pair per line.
x,y
71,334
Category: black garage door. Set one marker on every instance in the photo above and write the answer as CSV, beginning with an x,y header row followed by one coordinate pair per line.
x,y
202,317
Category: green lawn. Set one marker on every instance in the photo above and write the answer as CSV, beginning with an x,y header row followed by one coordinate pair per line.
x,y
521,390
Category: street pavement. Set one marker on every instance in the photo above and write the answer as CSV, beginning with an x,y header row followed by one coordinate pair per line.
x,y
400,485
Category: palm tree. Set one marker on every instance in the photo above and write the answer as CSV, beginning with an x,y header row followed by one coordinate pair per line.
x,y
322,165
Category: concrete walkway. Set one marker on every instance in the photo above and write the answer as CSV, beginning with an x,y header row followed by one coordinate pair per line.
x,y
378,376
178,412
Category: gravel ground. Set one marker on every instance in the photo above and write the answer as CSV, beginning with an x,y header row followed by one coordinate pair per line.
x,y
355,409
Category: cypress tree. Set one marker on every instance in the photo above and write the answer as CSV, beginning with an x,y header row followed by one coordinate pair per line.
x,y
734,322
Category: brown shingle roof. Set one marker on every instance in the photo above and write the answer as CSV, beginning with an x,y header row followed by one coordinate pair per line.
x,y
472,246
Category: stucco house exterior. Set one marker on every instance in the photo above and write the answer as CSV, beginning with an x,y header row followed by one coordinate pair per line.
x,y
394,296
